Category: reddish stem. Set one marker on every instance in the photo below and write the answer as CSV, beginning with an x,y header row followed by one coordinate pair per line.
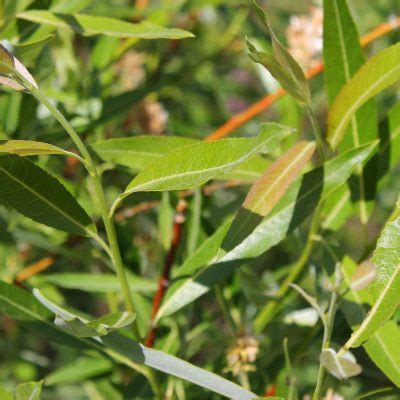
x,y
163,282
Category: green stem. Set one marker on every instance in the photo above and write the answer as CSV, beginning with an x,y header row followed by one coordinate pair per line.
x,y
94,176
317,132
328,327
267,313
225,310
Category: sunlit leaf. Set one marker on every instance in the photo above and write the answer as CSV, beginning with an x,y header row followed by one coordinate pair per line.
x,y
267,191
193,165
139,151
343,57
385,289
30,148
382,347
377,74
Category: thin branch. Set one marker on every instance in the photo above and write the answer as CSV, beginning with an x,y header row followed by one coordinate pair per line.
x,y
163,282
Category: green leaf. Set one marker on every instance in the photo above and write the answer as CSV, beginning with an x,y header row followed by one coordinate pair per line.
x,y
82,327
337,207
31,148
36,194
343,57
267,191
92,25
341,367
29,391
298,203
78,371
282,66
104,283
249,171
193,165
377,74
382,347
385,289
24,307
139,151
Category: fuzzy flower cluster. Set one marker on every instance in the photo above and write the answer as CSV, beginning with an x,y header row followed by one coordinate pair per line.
x,y
304,37
241,356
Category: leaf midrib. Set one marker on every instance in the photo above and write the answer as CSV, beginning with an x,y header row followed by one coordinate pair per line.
x,y
45,200
274,184
360,101
166,179
375,308
377,335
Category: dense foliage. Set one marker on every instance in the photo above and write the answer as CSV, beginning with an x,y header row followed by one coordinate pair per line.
x,y
143,254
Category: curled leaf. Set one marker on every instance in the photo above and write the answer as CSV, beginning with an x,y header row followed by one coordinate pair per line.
x,y
9,66
341,367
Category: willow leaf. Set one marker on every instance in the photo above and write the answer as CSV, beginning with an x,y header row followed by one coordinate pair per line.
x,y
299,202
92,25
193,165
24,307
139,151
385,289
377,74
31,148
382,347
343,56
36,194
267,191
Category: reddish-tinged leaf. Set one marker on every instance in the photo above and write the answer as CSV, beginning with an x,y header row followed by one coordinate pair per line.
x,y
272,185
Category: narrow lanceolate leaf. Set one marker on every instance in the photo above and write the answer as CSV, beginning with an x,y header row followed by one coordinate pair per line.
x,y
270,188
382,347
385,289
24,307
36,194
377,74
30,148
282,66
343,57
82,327
299,202
92,25
267,191
139,151
338,206
104,283
193,165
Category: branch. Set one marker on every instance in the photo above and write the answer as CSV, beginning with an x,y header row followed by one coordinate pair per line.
x,y
163,282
